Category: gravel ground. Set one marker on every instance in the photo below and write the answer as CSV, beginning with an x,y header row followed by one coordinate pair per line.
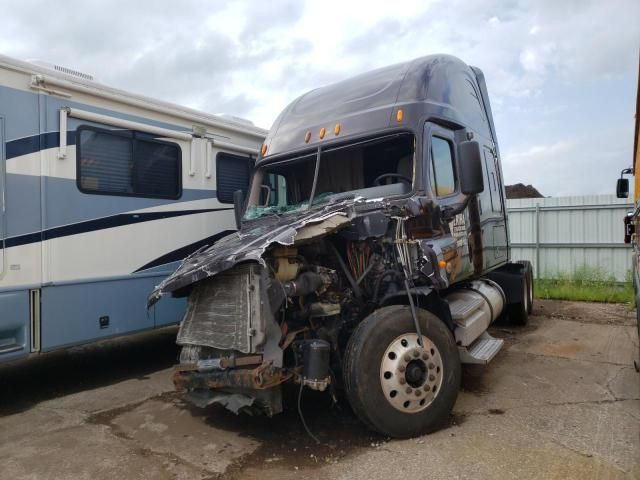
x,y
561,400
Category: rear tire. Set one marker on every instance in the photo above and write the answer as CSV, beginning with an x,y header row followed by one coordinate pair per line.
x,y
392,384
519,312
528,273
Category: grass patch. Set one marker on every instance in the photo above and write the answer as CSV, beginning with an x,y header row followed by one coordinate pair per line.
x,y
587,284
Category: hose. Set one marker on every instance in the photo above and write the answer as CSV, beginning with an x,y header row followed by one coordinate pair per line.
x,y
354,285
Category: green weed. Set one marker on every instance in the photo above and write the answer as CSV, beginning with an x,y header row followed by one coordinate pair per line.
x,y
587,284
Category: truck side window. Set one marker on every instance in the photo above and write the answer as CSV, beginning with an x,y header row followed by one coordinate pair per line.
x,y
274,190
443,179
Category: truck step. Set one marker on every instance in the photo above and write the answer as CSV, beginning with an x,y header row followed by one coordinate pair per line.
x,y
463,306
482,350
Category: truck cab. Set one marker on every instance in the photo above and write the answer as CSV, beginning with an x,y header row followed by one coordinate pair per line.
x,y
372,254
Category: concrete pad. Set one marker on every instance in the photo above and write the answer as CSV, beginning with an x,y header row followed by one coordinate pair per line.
x,y
624,384
483,447
515,379
586,312
558,402
168,427
582,341
86,452
608,431
117,395
35,423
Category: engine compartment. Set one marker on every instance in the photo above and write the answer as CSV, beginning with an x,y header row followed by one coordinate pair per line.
x,y
289,317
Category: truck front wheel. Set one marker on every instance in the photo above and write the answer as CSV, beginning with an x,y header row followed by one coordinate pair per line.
x,y
395,385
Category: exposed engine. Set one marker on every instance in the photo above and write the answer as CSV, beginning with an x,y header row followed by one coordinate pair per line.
x,y
256,326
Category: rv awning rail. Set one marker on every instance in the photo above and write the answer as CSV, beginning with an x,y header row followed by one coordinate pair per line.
x,y
138,126
42,82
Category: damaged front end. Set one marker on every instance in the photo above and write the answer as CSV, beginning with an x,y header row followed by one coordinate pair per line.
x,y
278,301
232,337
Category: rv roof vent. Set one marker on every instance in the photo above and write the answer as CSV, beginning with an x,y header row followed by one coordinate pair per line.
x,y
235,119
61,69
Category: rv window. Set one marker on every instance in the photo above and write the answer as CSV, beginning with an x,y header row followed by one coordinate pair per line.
x,y
232,173
127,163
443,178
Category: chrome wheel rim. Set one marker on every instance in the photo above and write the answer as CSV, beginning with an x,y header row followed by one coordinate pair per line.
x,y
410,375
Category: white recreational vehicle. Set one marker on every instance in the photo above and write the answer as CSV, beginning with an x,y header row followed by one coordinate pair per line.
x,y
102,192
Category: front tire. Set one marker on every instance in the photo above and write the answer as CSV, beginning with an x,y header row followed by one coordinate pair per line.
x,y
394,385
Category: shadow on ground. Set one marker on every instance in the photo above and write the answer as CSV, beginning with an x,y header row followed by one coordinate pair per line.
x,y
28,382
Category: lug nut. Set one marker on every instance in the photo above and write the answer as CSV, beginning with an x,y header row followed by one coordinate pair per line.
x,y
409,390
416,353
402,381
425,356
407,358
418,392
426,388
402,368
431,366
432,377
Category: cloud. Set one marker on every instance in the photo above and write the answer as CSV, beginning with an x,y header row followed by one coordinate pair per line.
x,y
547,63
570,166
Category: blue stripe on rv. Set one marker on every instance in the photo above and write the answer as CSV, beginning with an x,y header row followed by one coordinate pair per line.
x,y
100,224
35,143
24,209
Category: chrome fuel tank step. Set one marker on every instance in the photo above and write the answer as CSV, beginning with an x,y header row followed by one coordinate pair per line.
x,y
474,307
482,350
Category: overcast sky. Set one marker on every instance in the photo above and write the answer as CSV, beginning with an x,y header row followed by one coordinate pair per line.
x,y
561,74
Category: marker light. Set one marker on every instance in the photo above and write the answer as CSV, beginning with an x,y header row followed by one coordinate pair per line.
x,y
336,129
307,137
441,263
322,132
399,115
263,150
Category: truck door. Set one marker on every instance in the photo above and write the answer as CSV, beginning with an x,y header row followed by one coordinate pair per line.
x,y
496,232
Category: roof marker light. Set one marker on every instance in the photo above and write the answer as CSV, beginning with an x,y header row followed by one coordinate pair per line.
x,y
399,115
263,150
336,129
307,137
322,132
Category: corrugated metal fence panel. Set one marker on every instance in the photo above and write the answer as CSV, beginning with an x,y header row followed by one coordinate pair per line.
x,y
566,233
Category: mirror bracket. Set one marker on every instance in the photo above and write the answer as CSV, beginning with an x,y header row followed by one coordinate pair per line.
x,y
238,200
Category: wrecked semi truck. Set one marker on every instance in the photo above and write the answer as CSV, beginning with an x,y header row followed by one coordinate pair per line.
x,y
372,254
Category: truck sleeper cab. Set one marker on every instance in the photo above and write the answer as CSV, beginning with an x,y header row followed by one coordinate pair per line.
x,y
372,254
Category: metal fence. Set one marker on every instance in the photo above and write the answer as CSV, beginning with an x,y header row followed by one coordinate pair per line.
x,y
562,234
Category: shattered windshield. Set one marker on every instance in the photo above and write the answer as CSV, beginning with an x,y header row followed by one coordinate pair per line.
x,y
371,169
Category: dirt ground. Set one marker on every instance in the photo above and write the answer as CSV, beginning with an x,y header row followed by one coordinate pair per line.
x,y
560,401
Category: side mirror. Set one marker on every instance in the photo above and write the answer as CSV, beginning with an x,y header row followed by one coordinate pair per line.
x,y
470,160
622,188
238,200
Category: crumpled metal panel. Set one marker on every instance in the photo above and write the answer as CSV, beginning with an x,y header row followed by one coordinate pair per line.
x,y
246,246
224,310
